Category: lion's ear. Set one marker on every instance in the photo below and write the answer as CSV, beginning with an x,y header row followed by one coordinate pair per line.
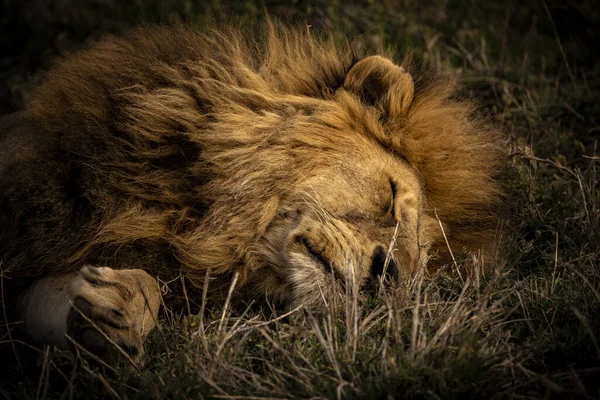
x,y
379,82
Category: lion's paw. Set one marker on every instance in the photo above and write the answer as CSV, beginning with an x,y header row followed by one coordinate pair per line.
x,y
113,311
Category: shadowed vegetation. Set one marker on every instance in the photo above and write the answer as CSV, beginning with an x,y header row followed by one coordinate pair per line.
x,y
523,325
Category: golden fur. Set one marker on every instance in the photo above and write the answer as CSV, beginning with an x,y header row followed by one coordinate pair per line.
x,y
284,159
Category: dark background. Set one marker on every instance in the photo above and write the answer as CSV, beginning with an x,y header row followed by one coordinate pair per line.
x,y
33,32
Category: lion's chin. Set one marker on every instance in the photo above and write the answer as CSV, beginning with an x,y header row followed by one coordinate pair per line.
x,y
311,287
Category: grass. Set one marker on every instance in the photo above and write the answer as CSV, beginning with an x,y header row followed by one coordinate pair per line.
x,y
524,325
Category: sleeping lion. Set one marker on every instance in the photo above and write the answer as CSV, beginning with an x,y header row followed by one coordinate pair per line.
x,y
290,162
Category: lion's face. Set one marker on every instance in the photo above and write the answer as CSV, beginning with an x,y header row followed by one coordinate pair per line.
x,y
340,224
353,211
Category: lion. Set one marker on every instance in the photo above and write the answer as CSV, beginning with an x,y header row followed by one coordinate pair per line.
x,y
289,161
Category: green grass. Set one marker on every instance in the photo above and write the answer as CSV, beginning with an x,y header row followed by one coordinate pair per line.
x,y
524,325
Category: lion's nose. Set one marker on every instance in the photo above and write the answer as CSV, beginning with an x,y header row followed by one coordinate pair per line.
x,y
378,264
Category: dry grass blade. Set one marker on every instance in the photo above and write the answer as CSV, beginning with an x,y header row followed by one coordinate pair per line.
x,y
254,325
157,324
416,318
5,316
389,255
553,285
228,335
185,295
228,301
448,245
44,376
203,304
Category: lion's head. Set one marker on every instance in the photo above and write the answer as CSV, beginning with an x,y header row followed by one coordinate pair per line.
x,y
290,162
372,165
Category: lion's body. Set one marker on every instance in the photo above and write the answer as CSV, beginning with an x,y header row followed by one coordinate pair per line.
x,y
169,150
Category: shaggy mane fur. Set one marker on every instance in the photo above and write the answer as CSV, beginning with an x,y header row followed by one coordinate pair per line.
x,y
141,143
